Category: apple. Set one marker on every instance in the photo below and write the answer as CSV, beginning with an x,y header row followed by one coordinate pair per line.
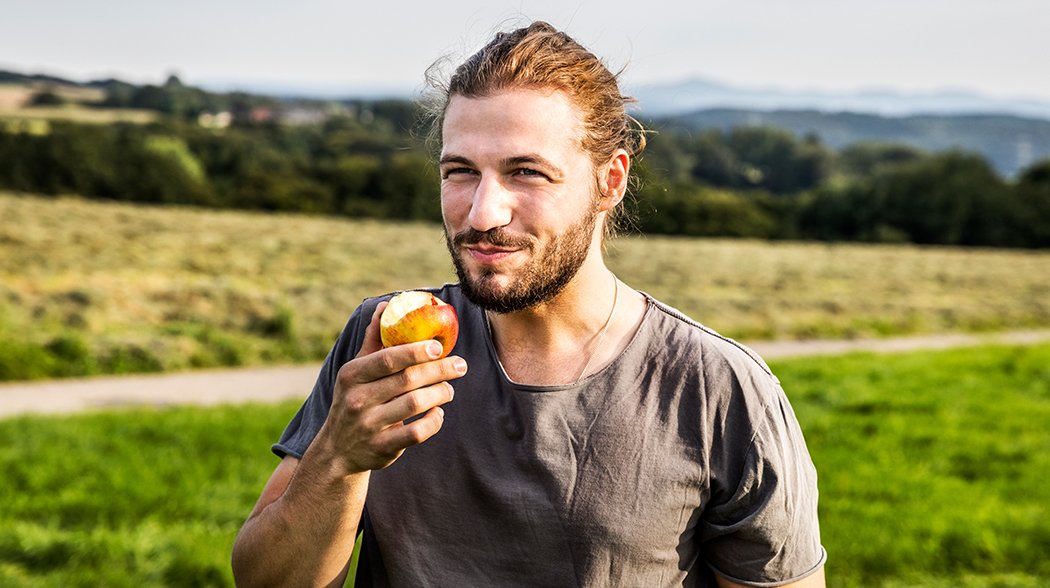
x,y
418,316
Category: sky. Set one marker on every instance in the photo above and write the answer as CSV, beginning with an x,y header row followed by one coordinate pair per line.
x,y
994,47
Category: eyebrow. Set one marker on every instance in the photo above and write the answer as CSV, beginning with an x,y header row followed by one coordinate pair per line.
x,y
455,159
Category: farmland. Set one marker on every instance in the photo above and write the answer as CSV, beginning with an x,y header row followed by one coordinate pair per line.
x,y
88,287
932,474
81,108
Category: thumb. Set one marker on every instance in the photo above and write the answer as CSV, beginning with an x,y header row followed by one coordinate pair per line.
x,y
372,342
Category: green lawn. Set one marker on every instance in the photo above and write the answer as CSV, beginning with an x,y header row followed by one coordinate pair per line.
x,y
934,467
933,472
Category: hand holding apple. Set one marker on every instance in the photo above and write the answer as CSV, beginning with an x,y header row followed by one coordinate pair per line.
x,y
418,316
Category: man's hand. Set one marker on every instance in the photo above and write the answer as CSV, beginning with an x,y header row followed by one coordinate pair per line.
x,y
380,389
302,529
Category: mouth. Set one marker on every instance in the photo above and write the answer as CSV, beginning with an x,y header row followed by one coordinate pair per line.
x,y
488,248
488,254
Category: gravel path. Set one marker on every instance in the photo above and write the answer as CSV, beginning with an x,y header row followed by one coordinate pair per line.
x,y
271,384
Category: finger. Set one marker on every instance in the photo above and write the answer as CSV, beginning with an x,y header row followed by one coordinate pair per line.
x,y
372,341
402,436
426,374
392,360
411,404
411,378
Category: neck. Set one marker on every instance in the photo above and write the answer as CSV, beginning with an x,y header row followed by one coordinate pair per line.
x,y
577,311
557,342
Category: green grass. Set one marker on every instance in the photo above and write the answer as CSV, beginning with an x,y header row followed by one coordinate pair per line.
x,y
137,498
92,287
934,467
933,473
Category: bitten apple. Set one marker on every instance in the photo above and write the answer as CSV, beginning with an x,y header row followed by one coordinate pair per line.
x,y
418,316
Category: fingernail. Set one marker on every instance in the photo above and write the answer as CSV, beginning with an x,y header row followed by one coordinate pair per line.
x,y
451,392
434,349
460,364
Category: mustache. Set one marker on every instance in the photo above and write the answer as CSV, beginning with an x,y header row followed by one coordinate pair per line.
x,y
497,237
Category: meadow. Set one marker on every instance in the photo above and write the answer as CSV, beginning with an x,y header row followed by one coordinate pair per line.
x,y
88,287
82,107
932,474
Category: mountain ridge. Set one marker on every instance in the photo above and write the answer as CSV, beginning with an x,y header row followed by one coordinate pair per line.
x,y
697,93
1010,142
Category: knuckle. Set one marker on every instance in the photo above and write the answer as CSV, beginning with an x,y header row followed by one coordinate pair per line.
x,y
344,378
368,424
355,404
414,404
406,380
418,434
388,363
375,447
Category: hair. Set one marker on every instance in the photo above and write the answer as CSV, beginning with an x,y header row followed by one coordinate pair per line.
x,y
541,57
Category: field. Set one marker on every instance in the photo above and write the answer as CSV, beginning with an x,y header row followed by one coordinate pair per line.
x,y
14,113
89,287
933,473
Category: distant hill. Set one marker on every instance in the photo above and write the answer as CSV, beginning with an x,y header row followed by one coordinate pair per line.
x,y
11,77
43,80
675,98
1010,143
1010,140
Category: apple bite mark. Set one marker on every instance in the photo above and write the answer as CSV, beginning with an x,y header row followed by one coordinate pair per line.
x,y
419,316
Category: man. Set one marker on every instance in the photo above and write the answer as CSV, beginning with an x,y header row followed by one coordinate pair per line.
x,y
597,436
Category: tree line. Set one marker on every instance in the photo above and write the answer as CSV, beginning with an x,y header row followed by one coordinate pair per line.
x,y
365,161
766,183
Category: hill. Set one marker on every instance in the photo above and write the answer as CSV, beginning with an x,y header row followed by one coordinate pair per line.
x,y
1009,142
679,97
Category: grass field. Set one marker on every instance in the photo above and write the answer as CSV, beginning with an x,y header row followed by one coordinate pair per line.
x,y
89,287
14,113
933,473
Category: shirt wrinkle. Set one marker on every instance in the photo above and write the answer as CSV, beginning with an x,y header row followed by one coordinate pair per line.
x,y
606,482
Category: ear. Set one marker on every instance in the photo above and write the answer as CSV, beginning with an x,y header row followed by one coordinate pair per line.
x,y
612,180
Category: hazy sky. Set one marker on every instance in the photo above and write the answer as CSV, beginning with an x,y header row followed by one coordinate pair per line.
x,y
997,47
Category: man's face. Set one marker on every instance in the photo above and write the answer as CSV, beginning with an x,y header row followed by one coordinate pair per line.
x,y
518,196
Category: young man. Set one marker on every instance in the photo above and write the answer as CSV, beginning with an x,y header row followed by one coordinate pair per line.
x,y
597,436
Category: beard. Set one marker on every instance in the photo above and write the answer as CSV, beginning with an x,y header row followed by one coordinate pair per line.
x,y
544,275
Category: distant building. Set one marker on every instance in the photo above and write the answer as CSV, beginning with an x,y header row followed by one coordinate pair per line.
x,y
218,120
304,116
260,114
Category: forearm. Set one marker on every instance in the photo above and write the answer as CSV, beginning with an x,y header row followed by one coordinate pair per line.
x,y
302,530
814,580
305,537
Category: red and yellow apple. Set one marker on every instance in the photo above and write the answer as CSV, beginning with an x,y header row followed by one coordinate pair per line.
x,y
418,316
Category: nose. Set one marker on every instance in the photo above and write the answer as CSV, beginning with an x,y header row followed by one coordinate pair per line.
x,y
491,205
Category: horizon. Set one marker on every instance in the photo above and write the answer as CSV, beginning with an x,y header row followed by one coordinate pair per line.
x,y
982,47
896,102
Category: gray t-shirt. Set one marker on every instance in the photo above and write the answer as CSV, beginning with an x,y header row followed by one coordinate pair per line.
x,y
681,457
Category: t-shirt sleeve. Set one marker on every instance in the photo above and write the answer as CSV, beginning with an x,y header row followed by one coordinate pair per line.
x,y
761,528
304,426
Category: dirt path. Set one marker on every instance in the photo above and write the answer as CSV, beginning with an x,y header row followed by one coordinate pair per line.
x,y
210,387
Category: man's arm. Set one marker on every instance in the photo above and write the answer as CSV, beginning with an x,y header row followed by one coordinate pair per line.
x,y
301,531
814,580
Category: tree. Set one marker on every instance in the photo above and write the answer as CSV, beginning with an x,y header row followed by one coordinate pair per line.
x,y
701,211
867,160
1033,196
776,161
46,98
